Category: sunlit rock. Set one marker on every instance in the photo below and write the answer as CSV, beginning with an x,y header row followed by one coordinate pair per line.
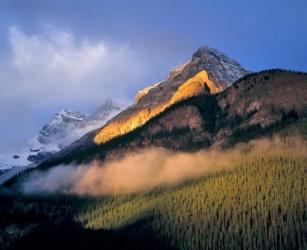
x,y
196,85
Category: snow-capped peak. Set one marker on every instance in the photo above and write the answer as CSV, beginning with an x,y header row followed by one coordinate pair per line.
x,y
64,128
60,124
67,126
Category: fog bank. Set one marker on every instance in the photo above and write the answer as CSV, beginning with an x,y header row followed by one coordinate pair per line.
x,y
155,167
140,171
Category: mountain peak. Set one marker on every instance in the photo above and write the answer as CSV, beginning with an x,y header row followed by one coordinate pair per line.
x,y
208,71
222,69
63,120
67,126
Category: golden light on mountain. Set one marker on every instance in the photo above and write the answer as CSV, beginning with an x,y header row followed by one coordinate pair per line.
x,y
194,86
198,84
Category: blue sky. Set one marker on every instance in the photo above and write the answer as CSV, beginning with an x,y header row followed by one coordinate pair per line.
x,y
74,54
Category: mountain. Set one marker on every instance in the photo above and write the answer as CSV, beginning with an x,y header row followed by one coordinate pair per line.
x,y
207,72
190,110
254,103
64,128
207,68
59,126
68,126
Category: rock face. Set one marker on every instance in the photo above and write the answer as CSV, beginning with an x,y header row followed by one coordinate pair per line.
x,y
196,85
222,69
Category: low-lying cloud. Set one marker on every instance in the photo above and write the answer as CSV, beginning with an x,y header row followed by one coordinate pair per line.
x,y
140,171
156,167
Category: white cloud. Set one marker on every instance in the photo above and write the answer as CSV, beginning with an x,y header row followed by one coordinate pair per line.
x,y
56,66
55,52
54,69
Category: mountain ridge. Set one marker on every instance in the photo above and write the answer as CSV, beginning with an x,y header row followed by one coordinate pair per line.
x,y
206,120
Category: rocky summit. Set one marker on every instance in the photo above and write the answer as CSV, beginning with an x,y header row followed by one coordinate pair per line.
x,y
207,71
